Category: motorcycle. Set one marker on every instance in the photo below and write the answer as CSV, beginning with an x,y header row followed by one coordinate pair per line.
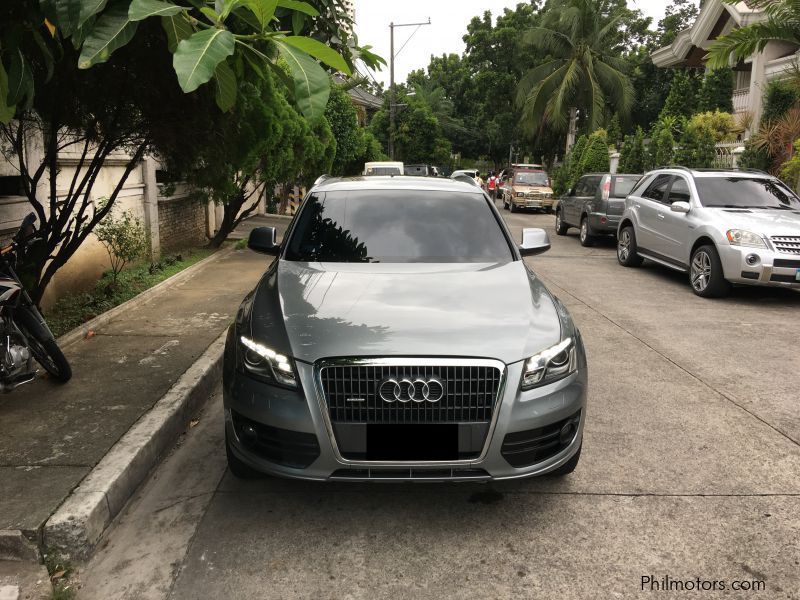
x,y
24,335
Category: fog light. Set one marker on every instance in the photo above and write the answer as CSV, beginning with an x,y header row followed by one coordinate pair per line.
x,y
567,432
249,434
752,259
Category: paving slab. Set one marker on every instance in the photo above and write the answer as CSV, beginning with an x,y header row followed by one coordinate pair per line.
x,y
30,494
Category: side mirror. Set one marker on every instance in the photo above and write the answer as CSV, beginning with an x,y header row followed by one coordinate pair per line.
x,y
571,192
680,207
264,240
534,241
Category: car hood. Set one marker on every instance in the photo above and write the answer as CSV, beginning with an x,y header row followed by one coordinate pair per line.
x,y
499,311
766,222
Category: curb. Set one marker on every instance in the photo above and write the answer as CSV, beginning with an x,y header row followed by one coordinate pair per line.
x,y
81,520
80,331
15,546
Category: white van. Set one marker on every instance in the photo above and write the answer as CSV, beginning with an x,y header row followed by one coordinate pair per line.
x,y
383,168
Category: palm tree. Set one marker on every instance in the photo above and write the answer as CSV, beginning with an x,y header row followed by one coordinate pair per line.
x,y
583,72
782,24
442,108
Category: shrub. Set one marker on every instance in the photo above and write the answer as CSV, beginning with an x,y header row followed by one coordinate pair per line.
x,y
754,157
633,158
595,157
574,160
790,170
662,146
681,100
124,239
716,92
720,125
778,99
696,149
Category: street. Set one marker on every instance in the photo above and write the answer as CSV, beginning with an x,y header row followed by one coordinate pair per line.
x,y
688,472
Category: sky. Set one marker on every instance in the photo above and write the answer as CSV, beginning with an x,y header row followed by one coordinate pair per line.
x,y
449,19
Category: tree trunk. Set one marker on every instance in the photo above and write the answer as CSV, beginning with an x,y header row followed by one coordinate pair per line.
x,y
573,127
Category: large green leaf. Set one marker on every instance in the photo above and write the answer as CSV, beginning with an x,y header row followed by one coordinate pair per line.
x,y
142,9
197,57
177,28
20,79
67,14
6,110
224,86
319,51
312,86
303,7
264,10
111,31
90,8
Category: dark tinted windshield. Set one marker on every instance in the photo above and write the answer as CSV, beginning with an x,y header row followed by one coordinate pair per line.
x,y
622,185
531,178
398,226
745,192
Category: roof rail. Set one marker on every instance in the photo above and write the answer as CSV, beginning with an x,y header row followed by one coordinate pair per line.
x,y
321,178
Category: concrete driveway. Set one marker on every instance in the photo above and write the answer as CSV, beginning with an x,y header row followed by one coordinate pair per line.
x,y
688,479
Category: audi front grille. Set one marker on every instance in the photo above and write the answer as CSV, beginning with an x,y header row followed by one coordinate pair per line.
x,y
414,393
788,244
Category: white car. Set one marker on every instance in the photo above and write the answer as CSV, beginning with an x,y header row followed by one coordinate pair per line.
x,y
720,227
383,168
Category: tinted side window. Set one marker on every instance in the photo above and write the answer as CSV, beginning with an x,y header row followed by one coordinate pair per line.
x,y
658,189
579,187
591,184
679,192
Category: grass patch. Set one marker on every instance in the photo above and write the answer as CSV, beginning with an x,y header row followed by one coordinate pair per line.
x,y
75,309
60,571
241,244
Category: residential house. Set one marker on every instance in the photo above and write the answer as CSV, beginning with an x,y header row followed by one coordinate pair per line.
x,y
717,18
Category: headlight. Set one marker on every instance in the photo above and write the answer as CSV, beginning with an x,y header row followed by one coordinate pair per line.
x,y
267,364
740,237
548,194
550,365
520,194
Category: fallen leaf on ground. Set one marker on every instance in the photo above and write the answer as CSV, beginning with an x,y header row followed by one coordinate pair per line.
x,y
193,422
90,334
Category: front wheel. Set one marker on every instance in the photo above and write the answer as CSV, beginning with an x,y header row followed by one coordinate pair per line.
x,y
44,348
512,207
586,237
706,275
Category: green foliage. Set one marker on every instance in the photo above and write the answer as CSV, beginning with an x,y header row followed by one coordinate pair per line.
x,y
696,148
679,15
124,239
343,119
633,154
719,125
779,97
754,157
681,101
662,146
716,91
582,72
790,170
614,132
595,158
574,160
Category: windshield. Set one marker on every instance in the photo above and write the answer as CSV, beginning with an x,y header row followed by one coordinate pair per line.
x,y
624,185
531,178
383,171
398,227
745,192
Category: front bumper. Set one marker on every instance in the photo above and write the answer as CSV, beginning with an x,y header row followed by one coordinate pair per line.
x,y
533,202
759,266
310,452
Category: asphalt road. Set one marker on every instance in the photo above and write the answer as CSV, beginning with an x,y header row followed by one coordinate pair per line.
x,y
689,472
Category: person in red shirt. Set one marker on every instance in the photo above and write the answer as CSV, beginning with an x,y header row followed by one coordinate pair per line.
x,y
491,184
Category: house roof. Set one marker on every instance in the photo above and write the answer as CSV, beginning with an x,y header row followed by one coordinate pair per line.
x,y
360,96
716,18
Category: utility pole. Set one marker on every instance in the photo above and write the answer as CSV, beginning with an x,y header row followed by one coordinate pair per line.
x,y
392,91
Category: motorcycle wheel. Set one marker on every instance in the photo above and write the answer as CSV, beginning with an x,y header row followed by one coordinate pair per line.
x,y
45,351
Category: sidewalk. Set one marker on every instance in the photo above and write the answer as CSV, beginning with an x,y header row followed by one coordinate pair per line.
x,y
54,435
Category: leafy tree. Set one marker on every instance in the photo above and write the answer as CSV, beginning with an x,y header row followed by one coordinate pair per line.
x,y
782,24
584,71
343,119
418,138
595,158
124,239
614,132
716,91
576,160
681,101
633,154
679,15
696,149
662,146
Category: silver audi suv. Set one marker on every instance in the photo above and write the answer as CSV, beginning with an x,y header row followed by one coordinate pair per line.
x,y
373,347
720,227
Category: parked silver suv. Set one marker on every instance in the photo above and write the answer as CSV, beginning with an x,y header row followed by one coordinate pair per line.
x,y
721,227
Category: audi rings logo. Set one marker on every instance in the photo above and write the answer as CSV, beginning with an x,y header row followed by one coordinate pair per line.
x,y
411,389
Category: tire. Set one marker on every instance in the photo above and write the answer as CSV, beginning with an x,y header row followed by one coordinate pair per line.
x,y
561,227
237,467
569,466
586,237
505,205
706,275
626,248
44,348
513,207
